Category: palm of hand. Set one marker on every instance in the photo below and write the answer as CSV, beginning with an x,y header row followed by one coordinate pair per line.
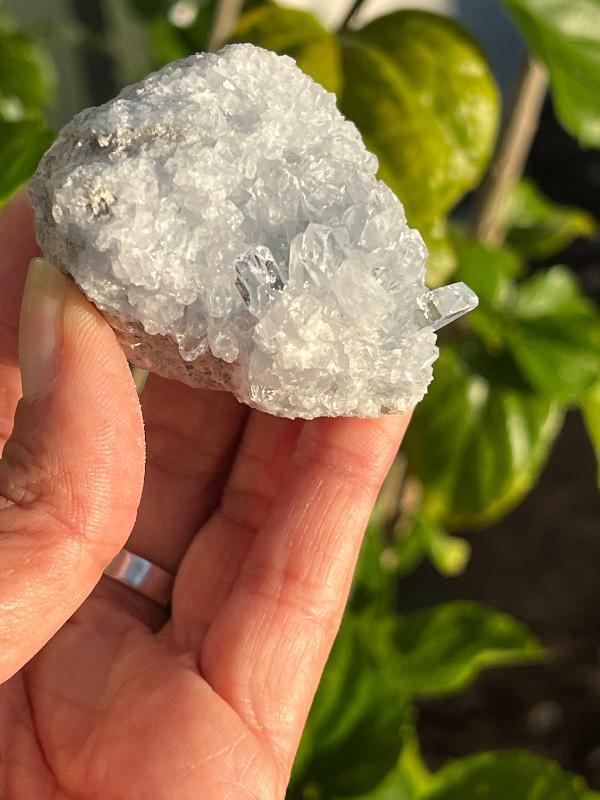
x,y
109,710
259,518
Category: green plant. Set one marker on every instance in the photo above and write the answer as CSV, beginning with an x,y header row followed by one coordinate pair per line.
x,y
421,92
26,88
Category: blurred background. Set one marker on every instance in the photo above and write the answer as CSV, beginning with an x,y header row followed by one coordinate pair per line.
x,y
493,509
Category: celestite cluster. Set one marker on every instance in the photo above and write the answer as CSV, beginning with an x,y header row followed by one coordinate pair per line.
x,y
226,219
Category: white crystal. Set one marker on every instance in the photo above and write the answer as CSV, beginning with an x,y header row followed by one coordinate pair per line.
x,y
442,306
228,222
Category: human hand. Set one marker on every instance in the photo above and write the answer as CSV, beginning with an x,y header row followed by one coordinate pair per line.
x,y
103,695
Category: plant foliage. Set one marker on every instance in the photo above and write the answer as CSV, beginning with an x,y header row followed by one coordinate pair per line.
x,y
422,94
564,35
26,88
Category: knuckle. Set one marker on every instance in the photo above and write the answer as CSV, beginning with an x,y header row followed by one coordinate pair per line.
x,y
21,474
39,491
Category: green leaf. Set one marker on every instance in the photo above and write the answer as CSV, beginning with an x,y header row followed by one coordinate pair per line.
x,y
543,324
297,34
449,554
441,262
423,97
555,336
590,406
354,733
539,228
564,35
427,538
507,776
410,778
26,74
21,147
489,272
479,439
444,648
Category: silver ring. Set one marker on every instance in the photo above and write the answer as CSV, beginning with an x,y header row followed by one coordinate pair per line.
x,y
142,575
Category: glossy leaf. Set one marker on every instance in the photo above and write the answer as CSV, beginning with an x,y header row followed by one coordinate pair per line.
x,y
297,34
480,437
543,324
507,776
410,778
555,337
490,269
26,74
539,228
564,35
444,648
421,93
489,272
354,733
21,147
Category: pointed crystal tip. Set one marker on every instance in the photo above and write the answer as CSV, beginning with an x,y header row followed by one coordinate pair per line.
x,y
444,305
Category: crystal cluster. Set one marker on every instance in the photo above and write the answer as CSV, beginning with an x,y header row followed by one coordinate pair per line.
x,y
226,219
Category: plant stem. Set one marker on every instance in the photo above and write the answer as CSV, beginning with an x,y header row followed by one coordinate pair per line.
x,y
226,17
390,496
351,12
507,166
140,376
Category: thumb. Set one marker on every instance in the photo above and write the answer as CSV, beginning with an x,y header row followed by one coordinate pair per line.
x,y
71,474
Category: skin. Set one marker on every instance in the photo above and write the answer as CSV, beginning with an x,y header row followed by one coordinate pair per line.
x,y
102,696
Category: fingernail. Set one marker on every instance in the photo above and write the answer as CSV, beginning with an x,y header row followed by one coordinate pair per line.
x,y
41,326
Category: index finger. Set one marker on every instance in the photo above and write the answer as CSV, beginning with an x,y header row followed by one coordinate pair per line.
x,y
17,247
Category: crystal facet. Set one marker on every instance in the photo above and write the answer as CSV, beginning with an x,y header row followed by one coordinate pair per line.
x,y
228,222
441,306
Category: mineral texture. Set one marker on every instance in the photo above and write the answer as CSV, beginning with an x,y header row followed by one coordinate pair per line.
x,y
226,219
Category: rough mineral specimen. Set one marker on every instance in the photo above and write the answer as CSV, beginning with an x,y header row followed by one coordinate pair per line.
x,y
227,220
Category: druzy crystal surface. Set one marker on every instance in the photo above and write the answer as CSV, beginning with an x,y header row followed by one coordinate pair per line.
x,y
226,219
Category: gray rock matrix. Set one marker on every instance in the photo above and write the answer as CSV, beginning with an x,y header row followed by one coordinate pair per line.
x,y
226,219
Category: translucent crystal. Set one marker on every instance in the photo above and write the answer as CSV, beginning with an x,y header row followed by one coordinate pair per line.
x,y
227,220
258,280
441,306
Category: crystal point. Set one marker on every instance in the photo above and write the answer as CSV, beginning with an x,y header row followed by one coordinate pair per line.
x,y
228,222
442,306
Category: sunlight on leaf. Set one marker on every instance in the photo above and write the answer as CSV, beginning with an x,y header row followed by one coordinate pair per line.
x,y
564,35
354,733
479,438
423,96
507,776
297,34
445,647
21,147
